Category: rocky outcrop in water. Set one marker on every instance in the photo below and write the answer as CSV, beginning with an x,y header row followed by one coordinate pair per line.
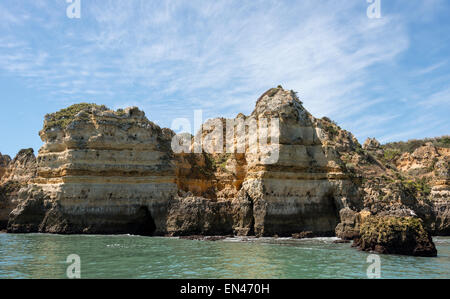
x,y
300,188
99,171
279,171
414,182
304,188
192,215
400,181
395,235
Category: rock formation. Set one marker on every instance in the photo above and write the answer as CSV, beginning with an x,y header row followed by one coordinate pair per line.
x,y
17,173
413,182
99,171
279,171
4,161
301,190
395,235
304,188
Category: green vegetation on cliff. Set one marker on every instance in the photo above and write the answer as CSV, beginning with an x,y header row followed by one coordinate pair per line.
x,y
411,145
65,116
383,228
417,186
331,127
220,161
391,154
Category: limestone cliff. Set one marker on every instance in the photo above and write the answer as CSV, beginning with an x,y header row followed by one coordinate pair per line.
x,y
305,186
278,171
99,171
301,187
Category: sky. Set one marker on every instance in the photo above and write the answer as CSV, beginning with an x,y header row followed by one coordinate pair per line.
x,y
384,77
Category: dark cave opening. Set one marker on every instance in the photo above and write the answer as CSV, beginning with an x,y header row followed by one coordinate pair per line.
x,y
252,217
146,223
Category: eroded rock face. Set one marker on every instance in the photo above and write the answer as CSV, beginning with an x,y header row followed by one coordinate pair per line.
x,y
191,215
297,192
440,194
293,183
99,171
21,169
4,161
398,182
371,144
17,174
349,227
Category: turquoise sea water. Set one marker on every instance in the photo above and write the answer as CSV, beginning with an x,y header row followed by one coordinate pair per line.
x,y
44,256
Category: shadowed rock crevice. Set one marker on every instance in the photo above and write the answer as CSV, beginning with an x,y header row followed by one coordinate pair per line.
x,y
145,223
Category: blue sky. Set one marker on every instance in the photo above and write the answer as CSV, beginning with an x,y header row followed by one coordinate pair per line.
x,y
386,78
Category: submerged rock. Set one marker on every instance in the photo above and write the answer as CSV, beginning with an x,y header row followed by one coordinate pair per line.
x,y
303,235
341,241
204,238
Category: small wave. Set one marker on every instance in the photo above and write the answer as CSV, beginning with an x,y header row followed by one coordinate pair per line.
x,y
441,240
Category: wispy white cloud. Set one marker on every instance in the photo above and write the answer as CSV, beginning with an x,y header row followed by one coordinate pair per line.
x,y
171,57
429,69
440,98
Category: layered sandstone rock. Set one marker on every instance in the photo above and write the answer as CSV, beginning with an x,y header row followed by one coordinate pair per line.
x,y
307,185
209,179
424,174
440,192
17,174
293,181
99,171
194,215
279,171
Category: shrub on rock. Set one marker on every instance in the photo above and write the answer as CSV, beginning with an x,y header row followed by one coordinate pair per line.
x,y
395,235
